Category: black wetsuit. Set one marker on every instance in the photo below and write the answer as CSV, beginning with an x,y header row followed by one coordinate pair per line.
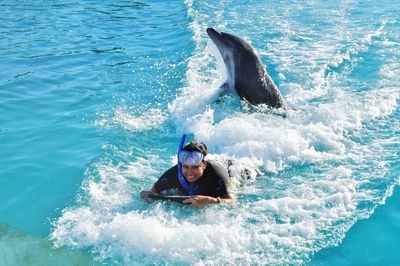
x,y
213,182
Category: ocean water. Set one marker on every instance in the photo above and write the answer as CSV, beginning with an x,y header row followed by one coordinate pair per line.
x,y
94,97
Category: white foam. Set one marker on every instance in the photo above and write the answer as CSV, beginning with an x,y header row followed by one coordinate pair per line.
x,y
149,119
141,168
290,222
107,188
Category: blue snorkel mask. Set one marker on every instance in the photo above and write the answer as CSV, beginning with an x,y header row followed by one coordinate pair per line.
x,y
190,157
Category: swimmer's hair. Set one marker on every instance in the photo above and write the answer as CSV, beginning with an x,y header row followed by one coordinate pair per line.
x,y
194,146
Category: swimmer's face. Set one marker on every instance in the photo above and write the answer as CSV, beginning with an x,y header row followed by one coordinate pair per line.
x,y
192,172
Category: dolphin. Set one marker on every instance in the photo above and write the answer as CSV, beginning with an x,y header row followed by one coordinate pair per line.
x,y
246,73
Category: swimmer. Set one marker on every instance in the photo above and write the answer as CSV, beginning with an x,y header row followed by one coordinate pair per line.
x,y
205,181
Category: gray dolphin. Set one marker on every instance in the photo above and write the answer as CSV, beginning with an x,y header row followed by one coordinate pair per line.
x,y
246,72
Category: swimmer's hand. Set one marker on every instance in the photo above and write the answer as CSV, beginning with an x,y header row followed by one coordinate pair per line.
x,y
199,201
147,195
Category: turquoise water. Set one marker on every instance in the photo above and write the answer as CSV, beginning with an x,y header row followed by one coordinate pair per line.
x,y
95,96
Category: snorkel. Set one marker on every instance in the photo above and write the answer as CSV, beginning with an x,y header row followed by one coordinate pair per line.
x,y
187,187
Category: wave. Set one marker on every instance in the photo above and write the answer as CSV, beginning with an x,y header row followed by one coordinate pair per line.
x,y
20,248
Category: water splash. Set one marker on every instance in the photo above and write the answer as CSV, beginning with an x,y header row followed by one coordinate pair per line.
x,y
315,173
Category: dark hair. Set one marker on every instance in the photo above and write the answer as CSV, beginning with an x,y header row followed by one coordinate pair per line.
x,y
194,146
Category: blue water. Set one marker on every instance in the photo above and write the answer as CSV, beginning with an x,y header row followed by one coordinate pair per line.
x,y
94,97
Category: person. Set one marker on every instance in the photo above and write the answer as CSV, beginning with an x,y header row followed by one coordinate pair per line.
x,y
205,181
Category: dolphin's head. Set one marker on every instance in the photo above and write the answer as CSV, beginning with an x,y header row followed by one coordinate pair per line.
x,y
234,51
231,49
226,42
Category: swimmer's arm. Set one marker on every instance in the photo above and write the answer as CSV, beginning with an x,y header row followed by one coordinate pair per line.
x,y
201,200
147,194
227,199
